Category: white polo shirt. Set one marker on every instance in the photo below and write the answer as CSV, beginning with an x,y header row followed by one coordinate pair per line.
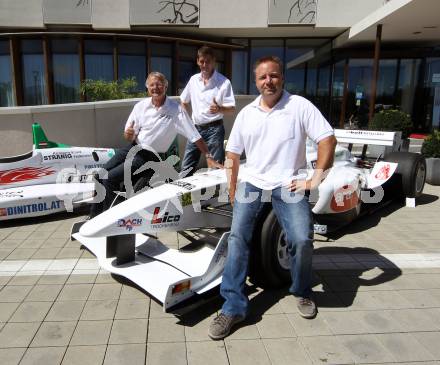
x,y
201,96
157,128
275,141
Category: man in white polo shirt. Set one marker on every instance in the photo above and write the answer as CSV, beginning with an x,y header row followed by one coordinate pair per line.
x,y
272,131
153,125
210,95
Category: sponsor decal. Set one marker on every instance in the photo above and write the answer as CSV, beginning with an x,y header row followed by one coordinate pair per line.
x,y
183,184
57,156
129,224
383,173
166,220
11,194
31,208
24,174
110,153
344,199
95,166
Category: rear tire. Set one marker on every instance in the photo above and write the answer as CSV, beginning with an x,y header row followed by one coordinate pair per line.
x,y
411,172
272,257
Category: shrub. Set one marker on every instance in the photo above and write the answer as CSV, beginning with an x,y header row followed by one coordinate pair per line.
x,y
392,120
431,145
97,90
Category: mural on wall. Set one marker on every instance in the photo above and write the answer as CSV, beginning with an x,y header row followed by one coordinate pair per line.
x,y
145,12
178,12
82,2
67,11
292,12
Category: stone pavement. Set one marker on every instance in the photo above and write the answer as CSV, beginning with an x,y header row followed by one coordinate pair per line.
x,y
377,285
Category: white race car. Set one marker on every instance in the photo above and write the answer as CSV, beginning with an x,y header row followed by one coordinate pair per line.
x,y
48,179
122,242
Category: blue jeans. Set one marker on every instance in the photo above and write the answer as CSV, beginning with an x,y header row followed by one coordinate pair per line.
x,y
296,221
214,138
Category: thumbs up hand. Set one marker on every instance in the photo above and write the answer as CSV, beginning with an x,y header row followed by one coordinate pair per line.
x,y
129,133
214,108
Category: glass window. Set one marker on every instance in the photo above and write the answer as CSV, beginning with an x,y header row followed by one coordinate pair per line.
x,y
161,61
186,70
188,52
386,84
98,59
239,72
409,72
6,88
432,84
34,84
322,100
66,78
296,56
260,48
132,62
337,92
359,91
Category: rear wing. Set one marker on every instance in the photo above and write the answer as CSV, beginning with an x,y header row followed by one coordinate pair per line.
x,y
392,141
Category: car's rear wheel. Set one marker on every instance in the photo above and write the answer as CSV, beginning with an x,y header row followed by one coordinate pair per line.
x,y
271,257
411,172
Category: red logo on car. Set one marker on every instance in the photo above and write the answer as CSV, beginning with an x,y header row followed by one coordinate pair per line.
x,y
344,199
383,173
24,174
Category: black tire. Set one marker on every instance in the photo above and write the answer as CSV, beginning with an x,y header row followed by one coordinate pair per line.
x,y
411,172
141,183
272,256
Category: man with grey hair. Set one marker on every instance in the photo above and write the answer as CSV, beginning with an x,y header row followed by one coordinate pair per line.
x,y
152,125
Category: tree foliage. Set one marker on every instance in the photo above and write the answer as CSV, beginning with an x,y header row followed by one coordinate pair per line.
x,y
392,120
431,145
98,90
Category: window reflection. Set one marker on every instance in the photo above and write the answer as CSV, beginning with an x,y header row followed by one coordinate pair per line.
x,y
98,59
66,76
132,62
6,90
34,85
161,61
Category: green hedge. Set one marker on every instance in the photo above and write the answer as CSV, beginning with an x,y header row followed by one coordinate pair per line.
x,y
393,121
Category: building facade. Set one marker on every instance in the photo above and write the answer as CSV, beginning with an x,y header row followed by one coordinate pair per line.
x,y
48,47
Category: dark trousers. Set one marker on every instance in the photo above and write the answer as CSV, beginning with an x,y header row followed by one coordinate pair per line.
x,y
115,169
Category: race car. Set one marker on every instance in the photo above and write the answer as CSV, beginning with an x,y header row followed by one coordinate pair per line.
x,y
121,236
48,179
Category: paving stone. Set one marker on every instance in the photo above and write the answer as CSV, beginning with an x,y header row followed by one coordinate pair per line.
x,y
32,243
14,293
65,311
366,349
132,308
379,322
46,253
31,312
105,291
69,253
429,340
275,326
165,330
129,331
166,353
198,331
82,279
7,309
25,279
326,350
91,333
22,253
54,334
17,334
414,320
305,327
132,292
52,278
84,355
75,292
243,352
341,323
44,293
133,354
207,352
43,356
104,278
99,310
11,356
404,347
286,351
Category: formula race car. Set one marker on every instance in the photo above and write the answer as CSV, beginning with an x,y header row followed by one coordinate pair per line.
x,y
48,179
121,238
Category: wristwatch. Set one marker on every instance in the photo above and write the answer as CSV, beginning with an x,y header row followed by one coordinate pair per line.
x,y
208,155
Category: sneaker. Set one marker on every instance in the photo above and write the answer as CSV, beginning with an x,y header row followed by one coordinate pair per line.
x,y
306,307
221,326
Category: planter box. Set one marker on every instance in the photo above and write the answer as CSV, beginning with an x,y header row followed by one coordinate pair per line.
x,y
433,171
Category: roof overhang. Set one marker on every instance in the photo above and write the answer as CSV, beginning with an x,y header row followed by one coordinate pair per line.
x,y
403,21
